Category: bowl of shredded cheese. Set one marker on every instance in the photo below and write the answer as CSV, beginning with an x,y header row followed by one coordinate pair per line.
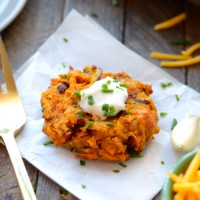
x,y
183,180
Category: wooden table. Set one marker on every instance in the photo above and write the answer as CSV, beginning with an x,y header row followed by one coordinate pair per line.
x,y
131,22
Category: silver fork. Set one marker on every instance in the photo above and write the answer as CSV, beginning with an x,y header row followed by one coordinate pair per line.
x,y
12,120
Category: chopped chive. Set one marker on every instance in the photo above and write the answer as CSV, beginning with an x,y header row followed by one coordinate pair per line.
x,y
177,97
115,2
64,65
47,143
119,87
82,162
174,123
135,155
163,114
105,89
65,39
105,107
83,186
35,187
122,164
162,162
64,76
110,125
115,80
116,171
180,42
93,14
64,191
125,85
80,115
78,94
109,81
165,85
127,112
90,123
91,100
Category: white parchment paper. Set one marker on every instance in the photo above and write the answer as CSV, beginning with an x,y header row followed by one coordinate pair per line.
x,y
89,44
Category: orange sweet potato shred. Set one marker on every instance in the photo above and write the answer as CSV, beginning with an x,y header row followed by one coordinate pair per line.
x,y
108,138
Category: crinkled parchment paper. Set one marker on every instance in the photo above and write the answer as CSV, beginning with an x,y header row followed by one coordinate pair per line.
x,y
89,44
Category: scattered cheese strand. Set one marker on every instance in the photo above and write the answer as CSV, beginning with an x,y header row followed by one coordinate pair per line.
x,y
187,186
192,168
191,49
164,56
181,63
171,22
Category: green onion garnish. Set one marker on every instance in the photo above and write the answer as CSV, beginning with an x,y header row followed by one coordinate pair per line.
x,y
109,110
180,42
64,76
83,186
64,65
177,97
110,125
162,162
115,2
115,80
91,100
82,162
127,112
109,81
47,143
163,114
116,171
105,89
105,107
93,14
122,164
78,94
165,85
174,123
135,155
64,191
90,123
65,39
125,85
80,115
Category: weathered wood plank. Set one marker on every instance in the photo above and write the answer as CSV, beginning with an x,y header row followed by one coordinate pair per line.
x,y
141,16
47,189
8,183
192,34
109,16
37,21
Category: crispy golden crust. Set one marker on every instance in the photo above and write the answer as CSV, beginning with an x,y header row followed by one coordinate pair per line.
x,y
111,138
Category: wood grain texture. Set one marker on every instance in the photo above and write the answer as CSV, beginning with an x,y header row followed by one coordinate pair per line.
x,y
8,183
141,16
109,17
46,188
192,34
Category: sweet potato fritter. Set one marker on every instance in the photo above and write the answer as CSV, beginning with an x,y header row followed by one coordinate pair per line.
x,y
108,138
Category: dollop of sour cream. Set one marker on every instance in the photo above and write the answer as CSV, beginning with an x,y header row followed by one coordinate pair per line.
x,y
105,97
185,134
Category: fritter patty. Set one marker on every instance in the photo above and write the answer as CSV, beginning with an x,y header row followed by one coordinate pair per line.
x,y
107,138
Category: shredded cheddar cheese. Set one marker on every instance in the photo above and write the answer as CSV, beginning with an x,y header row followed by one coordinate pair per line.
x,y
191,49
171,22
187,186
164,56
181,63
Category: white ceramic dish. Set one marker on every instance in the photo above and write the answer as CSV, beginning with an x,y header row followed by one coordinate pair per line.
x,y
9,9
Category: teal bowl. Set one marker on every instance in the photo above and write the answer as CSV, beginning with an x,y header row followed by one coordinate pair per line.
x,y
179,167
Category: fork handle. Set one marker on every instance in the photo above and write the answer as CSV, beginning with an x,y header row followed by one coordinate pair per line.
x,y
18,165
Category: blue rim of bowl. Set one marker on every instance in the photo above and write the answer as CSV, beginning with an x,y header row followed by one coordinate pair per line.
x,y
179,167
